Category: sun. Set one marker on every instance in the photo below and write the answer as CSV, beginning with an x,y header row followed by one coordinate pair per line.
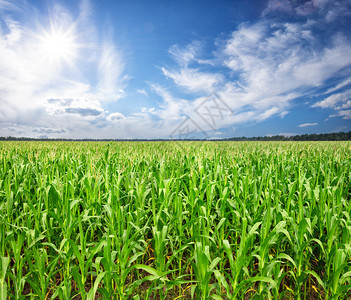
x,y
58,46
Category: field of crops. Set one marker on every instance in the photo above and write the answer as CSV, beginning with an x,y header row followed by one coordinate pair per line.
x,y
163,220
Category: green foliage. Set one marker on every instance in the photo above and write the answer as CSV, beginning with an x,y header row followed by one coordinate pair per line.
x,y
174,220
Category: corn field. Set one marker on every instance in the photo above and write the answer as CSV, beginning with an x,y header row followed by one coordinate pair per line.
x,y
175,220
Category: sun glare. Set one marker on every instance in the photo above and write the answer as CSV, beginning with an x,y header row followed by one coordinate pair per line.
x,y
58,46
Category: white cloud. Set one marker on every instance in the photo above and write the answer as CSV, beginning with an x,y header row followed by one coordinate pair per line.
x,y
268,113
282,58
143,92
339,86
190,78
340,102
278,6
15,129
47,130
347,104
74,106
329,9
334,10
110,74
9,6
115,116
345,114
144,109
189,54
333,100
283,114
185,56
307,124
171,108
193,80
277,63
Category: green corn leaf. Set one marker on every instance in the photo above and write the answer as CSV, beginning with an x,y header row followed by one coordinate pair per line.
x,y
315,275
214,263
93,290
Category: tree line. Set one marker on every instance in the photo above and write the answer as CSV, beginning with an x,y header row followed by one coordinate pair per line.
x,y
340,136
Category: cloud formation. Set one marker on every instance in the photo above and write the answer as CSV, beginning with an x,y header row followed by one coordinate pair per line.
x,y
340,102
271,63
258,71
37,91
307,124
115,116
142,92
192,80
345,114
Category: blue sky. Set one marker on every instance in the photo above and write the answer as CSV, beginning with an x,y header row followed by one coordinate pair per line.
x,y
174,69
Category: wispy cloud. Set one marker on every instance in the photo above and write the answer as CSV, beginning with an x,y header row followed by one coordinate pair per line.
x,y
188,77
189,54
339,86
142,92
111,74
171,107
307,124
193,80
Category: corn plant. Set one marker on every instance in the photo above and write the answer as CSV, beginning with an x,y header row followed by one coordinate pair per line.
x,y
207,220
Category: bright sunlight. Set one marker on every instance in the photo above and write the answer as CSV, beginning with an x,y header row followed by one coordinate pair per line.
x,y
58,46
